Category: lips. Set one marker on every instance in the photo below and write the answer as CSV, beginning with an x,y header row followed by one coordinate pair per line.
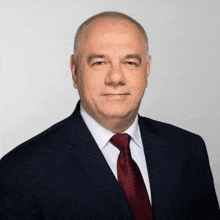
x,y
115,94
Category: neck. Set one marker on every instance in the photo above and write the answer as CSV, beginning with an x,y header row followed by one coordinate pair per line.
x,y
116,125
113,123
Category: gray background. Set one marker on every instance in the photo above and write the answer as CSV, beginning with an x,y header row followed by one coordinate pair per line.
x,y
36,41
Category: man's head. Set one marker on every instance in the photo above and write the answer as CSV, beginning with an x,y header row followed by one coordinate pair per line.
x,y
108,14
110,68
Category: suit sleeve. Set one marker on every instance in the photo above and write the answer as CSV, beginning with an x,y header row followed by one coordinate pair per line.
x,y
17,200
205,180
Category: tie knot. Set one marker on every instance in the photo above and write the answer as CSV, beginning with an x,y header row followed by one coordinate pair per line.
x,y
121,141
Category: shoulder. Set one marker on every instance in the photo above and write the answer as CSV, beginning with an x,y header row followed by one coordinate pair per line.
x,y
43,145
163,128
170,134
174,143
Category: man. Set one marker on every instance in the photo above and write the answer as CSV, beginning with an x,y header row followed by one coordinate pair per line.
x,y
105,161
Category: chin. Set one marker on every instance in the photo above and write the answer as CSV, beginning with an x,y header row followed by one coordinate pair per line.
x,y
115,113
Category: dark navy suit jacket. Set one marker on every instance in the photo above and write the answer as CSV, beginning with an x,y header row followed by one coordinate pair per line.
x,y
62,174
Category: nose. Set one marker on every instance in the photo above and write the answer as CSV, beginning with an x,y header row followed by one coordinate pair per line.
x,y
115,76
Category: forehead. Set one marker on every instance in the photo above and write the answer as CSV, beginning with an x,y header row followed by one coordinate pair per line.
x,y
112,33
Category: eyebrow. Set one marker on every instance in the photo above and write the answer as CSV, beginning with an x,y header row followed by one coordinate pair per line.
x,y
93,55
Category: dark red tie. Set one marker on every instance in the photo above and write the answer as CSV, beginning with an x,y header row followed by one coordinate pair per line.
x,y
130,179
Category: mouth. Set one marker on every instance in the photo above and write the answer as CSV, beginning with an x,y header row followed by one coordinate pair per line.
x,y
115,94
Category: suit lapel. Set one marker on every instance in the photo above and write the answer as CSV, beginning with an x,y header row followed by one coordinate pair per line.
x,y
163,167
151,147
83,149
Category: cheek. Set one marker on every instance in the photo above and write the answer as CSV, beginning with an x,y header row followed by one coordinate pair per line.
x,y
89,88
92,79
138,89
139,83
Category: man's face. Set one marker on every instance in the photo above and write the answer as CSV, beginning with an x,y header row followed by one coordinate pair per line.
x,y
111,69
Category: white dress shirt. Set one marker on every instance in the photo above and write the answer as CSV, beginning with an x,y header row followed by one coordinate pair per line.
x,y
111,152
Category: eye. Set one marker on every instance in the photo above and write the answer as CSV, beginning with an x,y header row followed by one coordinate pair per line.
x,y
130,63
99,63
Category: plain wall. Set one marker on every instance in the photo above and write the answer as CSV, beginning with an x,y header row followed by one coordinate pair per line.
x,y
36,41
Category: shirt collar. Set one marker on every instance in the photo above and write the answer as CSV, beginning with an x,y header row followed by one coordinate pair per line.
x,y
134,132
96,129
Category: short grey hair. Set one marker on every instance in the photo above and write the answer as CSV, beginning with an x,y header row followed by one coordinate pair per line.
x,y
107,14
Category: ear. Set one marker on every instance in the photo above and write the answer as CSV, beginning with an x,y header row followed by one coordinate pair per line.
x,y
148,65
73,70
148,69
